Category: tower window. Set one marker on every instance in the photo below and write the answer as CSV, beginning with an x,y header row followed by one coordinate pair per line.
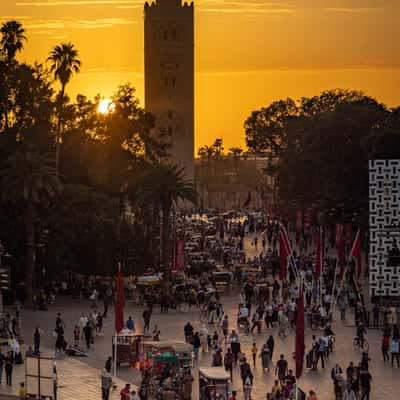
x,y
165,34
166,81
173,82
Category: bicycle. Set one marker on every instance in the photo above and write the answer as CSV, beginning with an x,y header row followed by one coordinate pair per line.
x,y
360,344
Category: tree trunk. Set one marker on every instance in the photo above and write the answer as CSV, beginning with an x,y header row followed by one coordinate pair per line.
x,y
165,250
30,253
59,128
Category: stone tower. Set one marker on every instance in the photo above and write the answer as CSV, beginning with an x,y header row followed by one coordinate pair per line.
x,y
169,75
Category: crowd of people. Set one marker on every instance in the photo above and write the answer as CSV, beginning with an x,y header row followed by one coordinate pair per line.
x,y
266,308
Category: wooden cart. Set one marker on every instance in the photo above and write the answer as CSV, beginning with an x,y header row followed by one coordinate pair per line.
x,y
127,346
213,381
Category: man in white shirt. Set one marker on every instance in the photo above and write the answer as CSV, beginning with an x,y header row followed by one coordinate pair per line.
x,y
243,312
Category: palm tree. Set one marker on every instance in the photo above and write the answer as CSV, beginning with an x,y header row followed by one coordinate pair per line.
x,y
12,38
162,186
64,63
29,179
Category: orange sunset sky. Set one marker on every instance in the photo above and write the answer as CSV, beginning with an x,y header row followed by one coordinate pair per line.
x,y
248,53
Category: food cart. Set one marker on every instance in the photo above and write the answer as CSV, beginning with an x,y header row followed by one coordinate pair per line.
x,y
183,351
127,346
213,381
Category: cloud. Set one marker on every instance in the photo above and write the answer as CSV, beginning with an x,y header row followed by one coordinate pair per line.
x,y
44,26
249,10
351,10
116,73
249,7
55,3
15,18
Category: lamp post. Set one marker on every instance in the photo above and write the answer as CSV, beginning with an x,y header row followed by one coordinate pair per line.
x,y
4,274
1,264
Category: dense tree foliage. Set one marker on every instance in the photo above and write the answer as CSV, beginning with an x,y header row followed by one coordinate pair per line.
x,y
73,215
321,146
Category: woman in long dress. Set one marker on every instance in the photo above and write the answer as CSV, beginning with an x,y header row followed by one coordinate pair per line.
x,y
265,355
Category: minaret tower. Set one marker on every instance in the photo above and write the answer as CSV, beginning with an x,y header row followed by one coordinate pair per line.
x,y
169,75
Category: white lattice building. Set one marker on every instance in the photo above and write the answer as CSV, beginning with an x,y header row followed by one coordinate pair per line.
x,y
384,225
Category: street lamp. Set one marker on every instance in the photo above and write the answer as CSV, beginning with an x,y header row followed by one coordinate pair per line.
x,y
4,274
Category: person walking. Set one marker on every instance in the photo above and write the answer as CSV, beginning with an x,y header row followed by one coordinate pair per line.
x,y
245,370
321,352
8,367
271,345
108,364
125,393
88,332
385,347
146,320
394,349
365,383
60,341
281,369
228,362
265,357
188,330
36,340
254,351
225,328
247,386
235,344
76,333
83,320
106,384
196,345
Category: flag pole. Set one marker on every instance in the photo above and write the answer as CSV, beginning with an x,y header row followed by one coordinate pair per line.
x,y
333,287
115,336
115,354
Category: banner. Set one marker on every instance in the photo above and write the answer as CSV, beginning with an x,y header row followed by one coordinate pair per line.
x,y
284,252
356,252
299,343
338,234
347,234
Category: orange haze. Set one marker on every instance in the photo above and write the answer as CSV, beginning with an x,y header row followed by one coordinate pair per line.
x,y
248,52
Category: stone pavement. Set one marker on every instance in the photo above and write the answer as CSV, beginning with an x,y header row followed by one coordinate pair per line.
x,y
76,381
79,378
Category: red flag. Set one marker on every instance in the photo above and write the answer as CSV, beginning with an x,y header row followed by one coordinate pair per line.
x,y
341,257
356,251
284,253
319,261
338,234
248,200
299,344
120,304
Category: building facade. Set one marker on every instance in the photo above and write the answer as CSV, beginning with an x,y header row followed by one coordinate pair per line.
x,y
169,76
228,183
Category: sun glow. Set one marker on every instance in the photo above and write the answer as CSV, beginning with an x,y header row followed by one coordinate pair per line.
x,y
106,106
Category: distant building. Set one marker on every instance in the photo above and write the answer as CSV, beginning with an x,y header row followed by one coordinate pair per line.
x,y
230,182
169,75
